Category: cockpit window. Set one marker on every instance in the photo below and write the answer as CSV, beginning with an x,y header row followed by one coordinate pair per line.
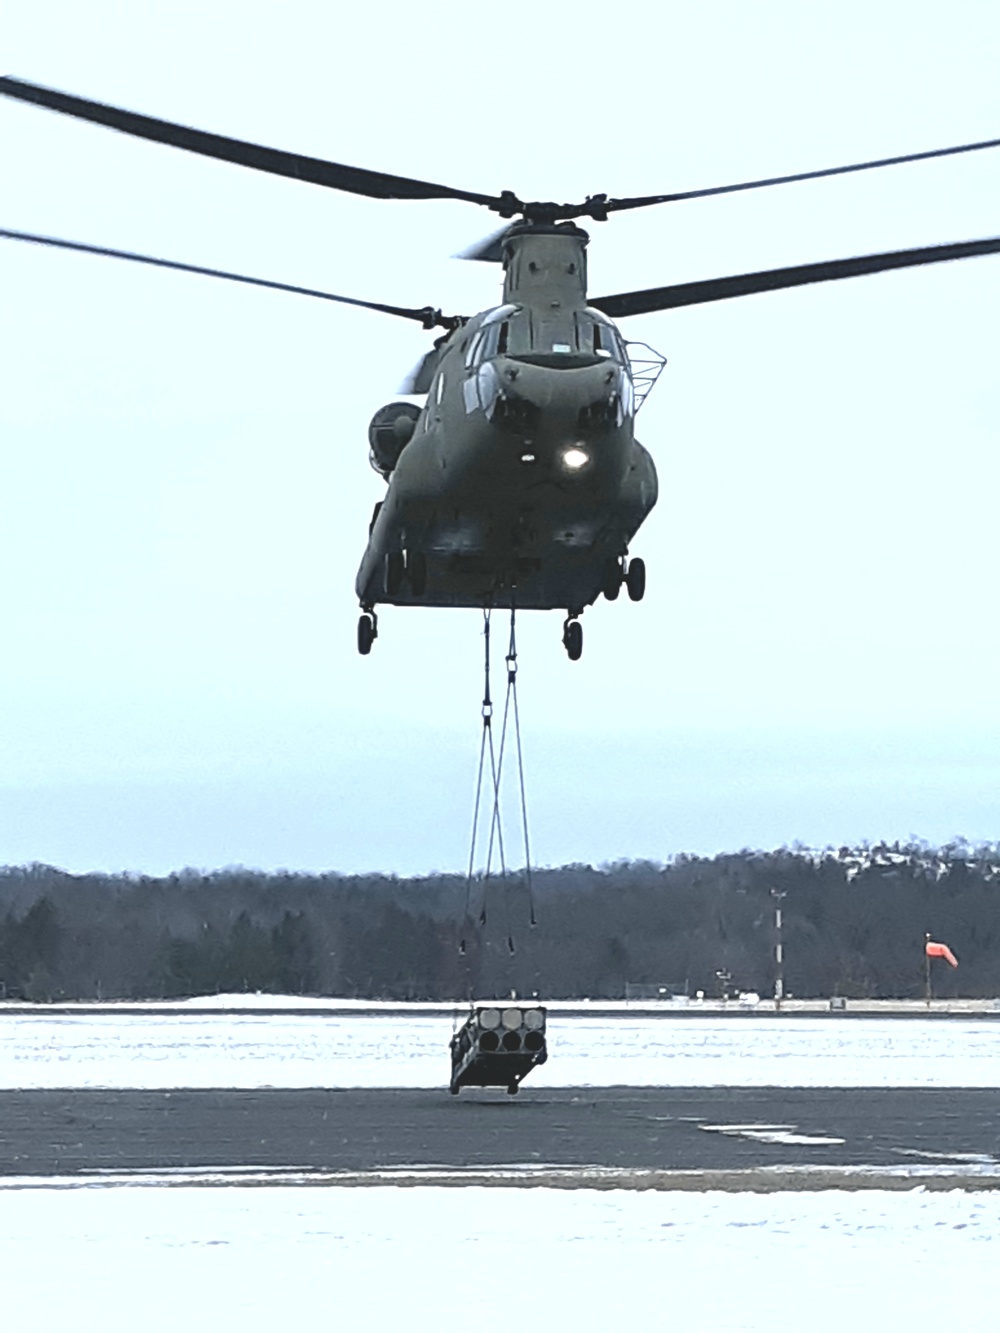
x,y
607,342
491,338
472,357
594,337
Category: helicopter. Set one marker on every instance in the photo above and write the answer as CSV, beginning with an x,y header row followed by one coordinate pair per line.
x,y
519,481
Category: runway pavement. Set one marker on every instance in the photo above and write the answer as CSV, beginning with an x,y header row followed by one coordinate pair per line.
x,y
633,1137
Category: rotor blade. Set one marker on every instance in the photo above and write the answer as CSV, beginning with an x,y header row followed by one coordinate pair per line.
x,y
489,249
355,180
426,316
775,279
421,377
618,205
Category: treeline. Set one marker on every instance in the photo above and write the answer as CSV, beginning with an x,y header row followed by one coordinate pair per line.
x,y
853,925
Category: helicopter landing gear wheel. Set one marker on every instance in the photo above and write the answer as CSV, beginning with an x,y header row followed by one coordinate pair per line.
x,y
392,573
416,570
635,579
367,632
573,639
611,585
453,1089
512,1089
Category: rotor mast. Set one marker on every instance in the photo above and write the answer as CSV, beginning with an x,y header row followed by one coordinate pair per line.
x,y
545,263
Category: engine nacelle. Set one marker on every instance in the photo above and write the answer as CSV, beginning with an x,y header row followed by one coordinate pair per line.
x,y
390,431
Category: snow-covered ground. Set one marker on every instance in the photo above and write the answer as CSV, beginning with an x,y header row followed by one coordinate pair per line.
x,y
247,1050
429,1259
96,1255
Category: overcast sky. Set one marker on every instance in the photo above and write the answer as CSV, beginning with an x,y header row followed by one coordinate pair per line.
x,y
185,480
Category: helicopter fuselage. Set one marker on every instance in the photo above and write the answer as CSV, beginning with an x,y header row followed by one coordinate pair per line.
x,y
522,479
519,481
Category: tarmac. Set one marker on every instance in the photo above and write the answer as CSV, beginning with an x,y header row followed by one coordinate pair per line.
x,y
631,1138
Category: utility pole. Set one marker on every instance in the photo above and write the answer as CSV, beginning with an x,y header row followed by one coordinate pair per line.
x,y
779,950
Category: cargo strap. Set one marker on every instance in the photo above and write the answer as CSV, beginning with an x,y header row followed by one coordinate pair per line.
x,y
496,754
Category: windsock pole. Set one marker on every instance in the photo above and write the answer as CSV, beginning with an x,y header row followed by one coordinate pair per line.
x,y
934,949
927,969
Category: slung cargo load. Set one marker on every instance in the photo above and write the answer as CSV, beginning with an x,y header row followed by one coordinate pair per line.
x,y
497,1047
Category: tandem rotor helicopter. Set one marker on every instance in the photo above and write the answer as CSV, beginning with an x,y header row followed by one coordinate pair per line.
x,y
520,482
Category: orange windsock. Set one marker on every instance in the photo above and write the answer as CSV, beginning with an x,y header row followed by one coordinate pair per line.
x,y
940,951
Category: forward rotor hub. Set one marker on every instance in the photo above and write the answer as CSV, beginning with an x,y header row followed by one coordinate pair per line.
x,y
509,206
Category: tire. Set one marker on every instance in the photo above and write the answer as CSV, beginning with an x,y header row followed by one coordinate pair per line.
x,y
511,1089
635,579
574,640
416,569
392,573
612,584
366,635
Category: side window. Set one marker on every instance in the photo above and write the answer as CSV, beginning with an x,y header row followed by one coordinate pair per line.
x,y
488,384
491,341
472,356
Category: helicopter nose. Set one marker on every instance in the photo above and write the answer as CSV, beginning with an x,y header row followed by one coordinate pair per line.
x,y
583,399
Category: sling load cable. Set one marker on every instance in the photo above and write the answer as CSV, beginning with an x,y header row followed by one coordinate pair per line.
x,y
496,772
496,831
496,767
511,662
512,695
487,734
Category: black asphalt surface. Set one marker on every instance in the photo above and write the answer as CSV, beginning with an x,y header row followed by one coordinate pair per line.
x,y
673,1129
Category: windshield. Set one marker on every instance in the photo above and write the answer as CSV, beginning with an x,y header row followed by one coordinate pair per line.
x,y
564,338
602,337
491,338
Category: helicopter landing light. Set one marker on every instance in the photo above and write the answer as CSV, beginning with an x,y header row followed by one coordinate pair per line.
x,y
574,458
528,458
